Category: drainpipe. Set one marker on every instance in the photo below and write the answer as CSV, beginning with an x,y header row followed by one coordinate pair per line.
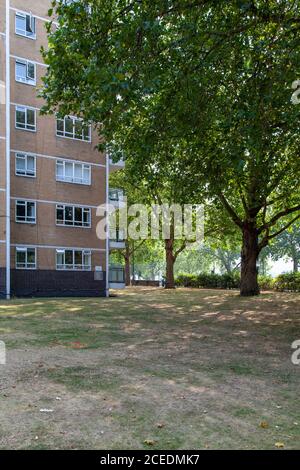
x,y
7,110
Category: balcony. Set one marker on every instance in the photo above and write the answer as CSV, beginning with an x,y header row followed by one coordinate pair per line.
x,y
116,277
117,198
116,239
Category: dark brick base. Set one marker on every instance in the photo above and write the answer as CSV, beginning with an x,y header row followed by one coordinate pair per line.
x,y
2,283
44,283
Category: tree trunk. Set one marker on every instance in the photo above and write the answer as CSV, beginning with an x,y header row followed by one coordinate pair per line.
x,y
295,264
249,256
127,265
170,260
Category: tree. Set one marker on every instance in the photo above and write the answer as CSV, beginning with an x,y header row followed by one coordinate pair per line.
x,y
157,180
287,245
217,74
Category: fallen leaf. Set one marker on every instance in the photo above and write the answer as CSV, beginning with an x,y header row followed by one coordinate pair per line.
x,y
264,425
149,442
279,445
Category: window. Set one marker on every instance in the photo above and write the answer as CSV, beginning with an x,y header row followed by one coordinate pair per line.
x,y
26,212
25,118
73,260
25,165
116,235
116,195
72,172
73,128
25,258
73,216
116,275
26,25
25,72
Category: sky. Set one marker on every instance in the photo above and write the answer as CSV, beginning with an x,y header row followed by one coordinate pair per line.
x,y
281,266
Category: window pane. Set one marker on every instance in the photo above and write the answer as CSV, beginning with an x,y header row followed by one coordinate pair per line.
x,y
78,172
69,171
60,126
30,256
21,211
86,132
87,260
86,217
21,259
30,117
30,25
30,164
30,211
59,214
69,215
31,70
21,71
78,129
20,24
59,260
20,118
86,174
59,169
78,258
78,216
69,257
69,127
20,164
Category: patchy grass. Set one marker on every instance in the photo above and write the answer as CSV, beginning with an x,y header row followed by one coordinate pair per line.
x,y
186,369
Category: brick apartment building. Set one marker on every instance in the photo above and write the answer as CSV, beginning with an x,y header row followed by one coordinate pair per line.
x,y
51,177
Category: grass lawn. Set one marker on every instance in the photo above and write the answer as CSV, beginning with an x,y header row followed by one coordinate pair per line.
x,y
150,368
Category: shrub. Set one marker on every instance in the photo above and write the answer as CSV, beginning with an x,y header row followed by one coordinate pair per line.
x,y
265,282
186,280
221,281
288,282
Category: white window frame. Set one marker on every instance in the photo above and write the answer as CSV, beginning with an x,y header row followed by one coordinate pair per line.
x,y
73,223
25,128
27,172
24,202
24,32
74,267
116,195
26,265
28,80
72,135
73,179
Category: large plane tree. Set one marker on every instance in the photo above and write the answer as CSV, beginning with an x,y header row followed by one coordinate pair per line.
x,y
220,74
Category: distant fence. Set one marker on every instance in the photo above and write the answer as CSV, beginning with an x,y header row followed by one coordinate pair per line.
x,y
145,283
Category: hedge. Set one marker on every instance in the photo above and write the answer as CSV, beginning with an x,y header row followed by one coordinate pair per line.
x,y
221,281
289,282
